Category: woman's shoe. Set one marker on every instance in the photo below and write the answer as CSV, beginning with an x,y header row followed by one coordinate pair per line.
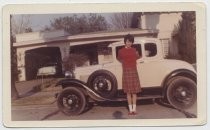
x,y
130,113
134,113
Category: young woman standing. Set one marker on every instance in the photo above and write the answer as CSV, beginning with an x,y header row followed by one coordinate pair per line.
x,y
130,79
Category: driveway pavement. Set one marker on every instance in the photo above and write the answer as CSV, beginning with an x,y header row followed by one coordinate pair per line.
x,y
38,102
24,87
36,92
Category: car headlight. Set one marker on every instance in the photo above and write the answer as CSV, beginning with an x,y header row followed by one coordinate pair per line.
x,y
69,74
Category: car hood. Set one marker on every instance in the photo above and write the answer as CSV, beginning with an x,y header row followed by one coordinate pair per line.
x,y
87,68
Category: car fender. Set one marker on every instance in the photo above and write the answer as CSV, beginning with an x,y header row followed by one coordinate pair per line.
x,y
80,84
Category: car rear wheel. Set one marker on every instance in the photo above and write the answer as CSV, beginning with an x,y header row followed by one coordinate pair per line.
x,y
181,92
71,101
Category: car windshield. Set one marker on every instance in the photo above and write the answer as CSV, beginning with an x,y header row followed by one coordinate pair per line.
x,y
105,55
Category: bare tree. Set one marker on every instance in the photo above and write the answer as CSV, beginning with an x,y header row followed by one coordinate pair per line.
x,y
79,24
18,24
121,20
21,24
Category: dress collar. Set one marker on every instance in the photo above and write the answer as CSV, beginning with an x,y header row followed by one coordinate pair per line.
x,y
127,47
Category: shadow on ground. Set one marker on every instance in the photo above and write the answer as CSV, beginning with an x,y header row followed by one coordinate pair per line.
x,y
118,115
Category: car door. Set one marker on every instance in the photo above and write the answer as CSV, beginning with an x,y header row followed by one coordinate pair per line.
x,y
149,67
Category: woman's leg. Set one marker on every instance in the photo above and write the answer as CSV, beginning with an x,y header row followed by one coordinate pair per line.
x,y
129,98
134,97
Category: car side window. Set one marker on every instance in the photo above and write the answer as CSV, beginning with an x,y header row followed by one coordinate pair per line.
x,y
150,49
136,46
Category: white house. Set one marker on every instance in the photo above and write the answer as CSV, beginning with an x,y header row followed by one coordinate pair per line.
x,y
164,22
56,44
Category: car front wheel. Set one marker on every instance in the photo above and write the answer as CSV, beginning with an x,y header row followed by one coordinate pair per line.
x,y
71,101
182,92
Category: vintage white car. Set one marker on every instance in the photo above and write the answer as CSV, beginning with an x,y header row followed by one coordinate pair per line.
x,y
169,79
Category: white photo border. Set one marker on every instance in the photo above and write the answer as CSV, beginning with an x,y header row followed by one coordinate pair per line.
x,y
201,46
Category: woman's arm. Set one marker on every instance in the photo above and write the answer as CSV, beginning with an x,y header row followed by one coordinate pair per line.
x,y
119,58
137,55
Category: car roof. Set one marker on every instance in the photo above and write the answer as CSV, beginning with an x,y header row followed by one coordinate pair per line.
x,y
136,40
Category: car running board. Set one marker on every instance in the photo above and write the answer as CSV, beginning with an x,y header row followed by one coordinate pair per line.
x,y
138,98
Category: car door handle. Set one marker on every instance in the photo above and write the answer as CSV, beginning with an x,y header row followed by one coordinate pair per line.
x,y
141,62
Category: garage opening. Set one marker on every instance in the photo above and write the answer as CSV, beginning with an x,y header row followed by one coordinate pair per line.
x,y
42,57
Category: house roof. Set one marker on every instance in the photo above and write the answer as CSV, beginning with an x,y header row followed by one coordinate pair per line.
x,y
100,35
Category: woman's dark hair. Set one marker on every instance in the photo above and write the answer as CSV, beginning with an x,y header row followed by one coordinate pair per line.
x,y
129,37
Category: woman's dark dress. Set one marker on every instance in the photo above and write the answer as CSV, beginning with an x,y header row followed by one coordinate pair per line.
x,y
130,78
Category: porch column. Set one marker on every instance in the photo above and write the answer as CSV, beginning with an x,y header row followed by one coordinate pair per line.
x,y
64,49
21,64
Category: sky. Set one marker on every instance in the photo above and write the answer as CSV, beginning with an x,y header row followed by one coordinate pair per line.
x,y
39,21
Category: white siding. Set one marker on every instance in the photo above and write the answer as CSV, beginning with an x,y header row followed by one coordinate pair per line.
x,y
165,23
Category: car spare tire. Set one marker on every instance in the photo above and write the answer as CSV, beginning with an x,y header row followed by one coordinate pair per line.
x,y
103,83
